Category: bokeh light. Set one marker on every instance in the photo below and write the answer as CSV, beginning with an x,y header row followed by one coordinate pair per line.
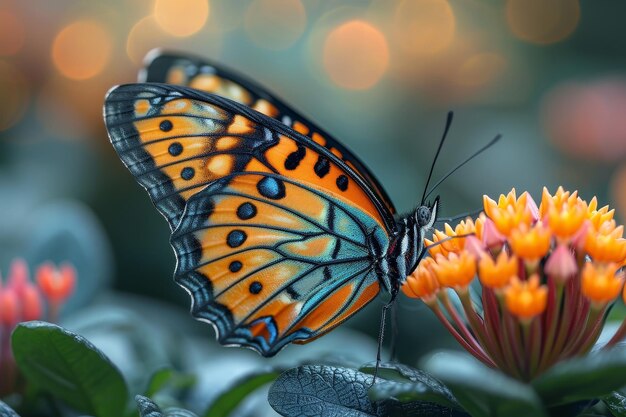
x,y
586,120
181,17
541,21
423,27
275,24
82,49
11,33
13,95
481,69
355,55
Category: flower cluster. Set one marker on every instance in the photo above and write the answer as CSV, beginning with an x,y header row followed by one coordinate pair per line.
x,y
23,300
547,276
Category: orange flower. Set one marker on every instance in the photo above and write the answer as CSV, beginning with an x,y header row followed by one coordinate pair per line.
x,y
422,283
456,270
606,244
598,217
530,243
600,283
510,212
497,274
566,220
526,299
465,227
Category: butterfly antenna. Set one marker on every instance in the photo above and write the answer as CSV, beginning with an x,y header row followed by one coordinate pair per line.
x,y
475,154
432,166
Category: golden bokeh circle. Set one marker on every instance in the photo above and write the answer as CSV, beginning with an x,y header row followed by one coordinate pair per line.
x,y
355,55
11,33
14,95
81,50
181,17
423,27
541,21
275,24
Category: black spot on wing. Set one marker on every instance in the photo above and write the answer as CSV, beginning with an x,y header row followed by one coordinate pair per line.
x,y
187,173
294,158
342,182
322,166
236,238
270,187
175,149
246,211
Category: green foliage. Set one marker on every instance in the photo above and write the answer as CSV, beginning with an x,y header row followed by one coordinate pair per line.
x,y
63,366
453,384
585,378
329,391
228,401
70,368
484,392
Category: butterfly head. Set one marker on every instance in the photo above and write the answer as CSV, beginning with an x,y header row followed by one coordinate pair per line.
x,y
426,214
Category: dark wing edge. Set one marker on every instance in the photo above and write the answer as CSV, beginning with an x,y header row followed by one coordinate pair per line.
x,y
157,62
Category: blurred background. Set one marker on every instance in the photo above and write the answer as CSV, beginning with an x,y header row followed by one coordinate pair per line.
x,y
380,75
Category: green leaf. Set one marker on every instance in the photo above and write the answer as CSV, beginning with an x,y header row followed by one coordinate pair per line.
x,y
616,402
70,368
168,378
228,401
481,391
322,390
405,384
148,408
6,411
159,380
593,376
314,390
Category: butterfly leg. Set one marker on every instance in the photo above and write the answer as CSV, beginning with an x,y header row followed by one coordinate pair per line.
x,y
381,334
394,332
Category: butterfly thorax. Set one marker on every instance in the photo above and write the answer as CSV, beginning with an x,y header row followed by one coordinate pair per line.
x,y
406,248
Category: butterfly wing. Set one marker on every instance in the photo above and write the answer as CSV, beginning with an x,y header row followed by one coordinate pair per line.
x,y
271,261
204,75
176,140
302,264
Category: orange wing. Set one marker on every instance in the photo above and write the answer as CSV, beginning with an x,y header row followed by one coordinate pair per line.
x,y
206,76
177,140
276,238
266,272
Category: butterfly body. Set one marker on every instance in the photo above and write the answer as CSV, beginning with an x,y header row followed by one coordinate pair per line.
x,y
280,232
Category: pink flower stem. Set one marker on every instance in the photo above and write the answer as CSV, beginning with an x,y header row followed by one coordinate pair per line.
x,y
478,327
535,347
568,317
467,346
590,334
491,315
53,312
512,341
552,317
460,323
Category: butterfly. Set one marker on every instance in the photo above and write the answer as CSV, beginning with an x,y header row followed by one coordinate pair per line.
x,y
280,232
